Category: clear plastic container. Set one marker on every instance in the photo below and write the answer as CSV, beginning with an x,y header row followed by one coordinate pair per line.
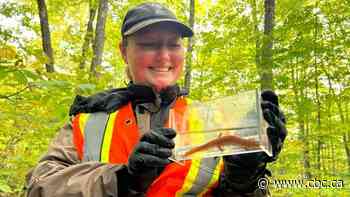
x,y
226,126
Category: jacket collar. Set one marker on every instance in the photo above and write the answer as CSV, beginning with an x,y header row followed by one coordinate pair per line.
x,y
111,100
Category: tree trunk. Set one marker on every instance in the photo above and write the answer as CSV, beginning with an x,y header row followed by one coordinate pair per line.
x,y
333,147
318,102
345,135
302,119
99,36
266,59
256,34
318,121
330,128
347,149
45,35
306,151
89,34
189,51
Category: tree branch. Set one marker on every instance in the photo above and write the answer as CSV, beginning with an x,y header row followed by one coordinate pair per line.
x,y
8,97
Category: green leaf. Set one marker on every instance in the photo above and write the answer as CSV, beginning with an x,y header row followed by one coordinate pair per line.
x,y
87,87
53,83
4,187
20,77
30,74
4,71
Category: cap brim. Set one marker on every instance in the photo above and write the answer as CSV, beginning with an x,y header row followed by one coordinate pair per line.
x,y
184,30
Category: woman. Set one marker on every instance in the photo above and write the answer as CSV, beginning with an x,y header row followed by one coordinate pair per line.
x,y
117,143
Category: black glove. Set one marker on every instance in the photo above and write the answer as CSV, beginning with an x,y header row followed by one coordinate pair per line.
x,y
276,130
242,172
153,151
146,161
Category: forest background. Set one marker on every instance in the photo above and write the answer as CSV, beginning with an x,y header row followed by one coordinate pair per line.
x,y
300,48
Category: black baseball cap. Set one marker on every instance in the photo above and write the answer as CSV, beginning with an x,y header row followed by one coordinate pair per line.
x,y
147,14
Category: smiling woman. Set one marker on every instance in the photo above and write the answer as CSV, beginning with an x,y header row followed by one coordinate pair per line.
x,y
118,142
154,56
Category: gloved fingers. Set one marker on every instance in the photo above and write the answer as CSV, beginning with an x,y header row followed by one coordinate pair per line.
x,y
153,149
246,160
146,160
280,128
273,135
270,106
277,123
157,138
273,119
167,132
269,116
139,162
269,95
276,142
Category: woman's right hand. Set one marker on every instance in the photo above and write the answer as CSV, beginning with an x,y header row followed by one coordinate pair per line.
x,y
152,151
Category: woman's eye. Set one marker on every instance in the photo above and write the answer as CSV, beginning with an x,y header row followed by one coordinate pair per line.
x,y
148,45
175,46
156,46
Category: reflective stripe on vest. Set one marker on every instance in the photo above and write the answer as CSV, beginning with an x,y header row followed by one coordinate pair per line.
x,y
93,136
202,174
79,123
98,136
111,138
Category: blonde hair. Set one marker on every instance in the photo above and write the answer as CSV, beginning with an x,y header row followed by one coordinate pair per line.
x,y
127,72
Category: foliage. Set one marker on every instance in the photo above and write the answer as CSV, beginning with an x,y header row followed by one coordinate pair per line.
x,y
311,74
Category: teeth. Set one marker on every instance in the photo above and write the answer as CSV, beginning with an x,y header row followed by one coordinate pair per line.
x,y
162,69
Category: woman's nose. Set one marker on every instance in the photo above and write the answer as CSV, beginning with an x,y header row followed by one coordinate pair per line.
x,y
164,54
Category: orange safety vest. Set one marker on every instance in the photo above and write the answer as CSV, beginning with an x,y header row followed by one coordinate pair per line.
x,y
110,138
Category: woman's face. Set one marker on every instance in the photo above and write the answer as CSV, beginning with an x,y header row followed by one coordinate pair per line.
x,y
155,56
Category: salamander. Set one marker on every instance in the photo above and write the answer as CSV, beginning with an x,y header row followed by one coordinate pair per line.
x,y
223,141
